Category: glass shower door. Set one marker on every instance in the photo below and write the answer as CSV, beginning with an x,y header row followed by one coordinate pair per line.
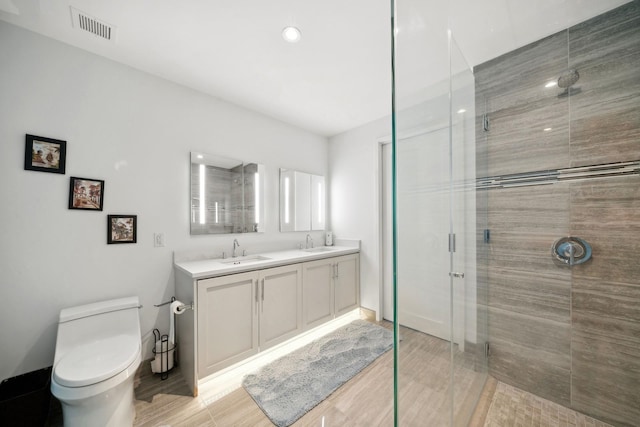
x,y
440,364
423,283
424,240
469,319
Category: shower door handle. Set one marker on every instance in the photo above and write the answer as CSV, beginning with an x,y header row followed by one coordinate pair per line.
x,y
457,275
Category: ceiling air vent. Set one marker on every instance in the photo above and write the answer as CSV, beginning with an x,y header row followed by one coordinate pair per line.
x,y
98,28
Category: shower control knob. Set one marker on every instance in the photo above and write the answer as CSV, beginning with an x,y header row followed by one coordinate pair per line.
x,y
570,251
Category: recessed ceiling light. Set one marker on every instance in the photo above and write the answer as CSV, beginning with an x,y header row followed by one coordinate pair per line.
x,y
547,129
291,34
462,110
551,84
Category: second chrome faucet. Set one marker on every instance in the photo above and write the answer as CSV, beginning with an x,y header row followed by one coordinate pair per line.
x,y
235,246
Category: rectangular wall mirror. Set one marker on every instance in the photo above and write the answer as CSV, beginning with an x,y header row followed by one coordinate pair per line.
x,y
302,201
226,195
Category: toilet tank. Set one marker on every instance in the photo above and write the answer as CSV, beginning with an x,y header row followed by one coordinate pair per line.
x,y
93,322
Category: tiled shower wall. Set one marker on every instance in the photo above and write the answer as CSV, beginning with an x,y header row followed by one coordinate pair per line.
x,y
568,335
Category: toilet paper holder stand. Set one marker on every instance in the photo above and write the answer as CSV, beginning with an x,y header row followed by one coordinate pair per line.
x,y
164,355
165,348
180,308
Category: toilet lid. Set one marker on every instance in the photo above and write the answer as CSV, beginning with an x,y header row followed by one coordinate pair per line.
x,y
96,361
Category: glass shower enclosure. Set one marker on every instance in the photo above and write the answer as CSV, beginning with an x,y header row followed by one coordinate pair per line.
x,y
517,208
440,327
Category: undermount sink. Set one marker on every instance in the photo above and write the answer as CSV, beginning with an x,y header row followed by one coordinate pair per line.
x,y
245,260
320,249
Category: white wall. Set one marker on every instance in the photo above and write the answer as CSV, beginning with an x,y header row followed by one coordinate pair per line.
x,y
135,131
354,194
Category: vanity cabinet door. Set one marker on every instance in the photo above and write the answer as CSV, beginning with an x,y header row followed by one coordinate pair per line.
x,y
317,292
280,304
347,283
227,321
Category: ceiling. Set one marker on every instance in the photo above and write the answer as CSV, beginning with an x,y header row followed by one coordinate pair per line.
x,y
336,78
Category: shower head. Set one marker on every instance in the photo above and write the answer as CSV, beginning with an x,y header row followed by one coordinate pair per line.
x,y
568,78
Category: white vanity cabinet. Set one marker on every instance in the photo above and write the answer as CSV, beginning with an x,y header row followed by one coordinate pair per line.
x,y
317,292
227,321
241,314
347,283
279,304
330,288
241,309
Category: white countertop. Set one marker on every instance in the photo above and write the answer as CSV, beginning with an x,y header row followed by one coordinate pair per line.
x,y
222,267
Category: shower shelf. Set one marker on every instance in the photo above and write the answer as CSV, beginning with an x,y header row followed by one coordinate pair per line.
x,y
560,175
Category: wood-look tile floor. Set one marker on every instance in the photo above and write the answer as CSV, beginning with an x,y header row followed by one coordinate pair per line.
x,y
365,400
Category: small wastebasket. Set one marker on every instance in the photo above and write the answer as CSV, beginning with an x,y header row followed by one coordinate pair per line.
x,y
24,400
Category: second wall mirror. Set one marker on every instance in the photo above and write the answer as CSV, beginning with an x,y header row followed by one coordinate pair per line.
x,y
302,201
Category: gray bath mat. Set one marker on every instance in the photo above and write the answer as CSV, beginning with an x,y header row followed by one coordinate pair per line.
x,y
289,387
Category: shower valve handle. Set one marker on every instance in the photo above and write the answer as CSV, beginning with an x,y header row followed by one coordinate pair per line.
x,y
570,251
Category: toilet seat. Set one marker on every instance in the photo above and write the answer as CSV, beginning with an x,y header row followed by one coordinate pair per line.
x,y
96,361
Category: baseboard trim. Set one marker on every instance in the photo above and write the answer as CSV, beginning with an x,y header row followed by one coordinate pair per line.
x,y
368,314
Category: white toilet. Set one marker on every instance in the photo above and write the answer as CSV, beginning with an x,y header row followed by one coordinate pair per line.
x,y
98,350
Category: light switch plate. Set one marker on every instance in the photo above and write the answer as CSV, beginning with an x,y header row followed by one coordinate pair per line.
x,y
158,240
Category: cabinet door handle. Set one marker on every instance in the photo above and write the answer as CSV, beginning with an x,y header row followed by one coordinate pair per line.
x,y
256,296
262,290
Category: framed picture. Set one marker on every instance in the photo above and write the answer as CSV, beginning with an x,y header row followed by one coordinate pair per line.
x,y
86,193
44,154
121,228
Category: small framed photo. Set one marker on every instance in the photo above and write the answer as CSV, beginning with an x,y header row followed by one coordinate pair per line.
x,y
44,154
86,193
121,228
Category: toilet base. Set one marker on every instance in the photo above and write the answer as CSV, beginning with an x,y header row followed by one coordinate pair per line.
x,y
112,408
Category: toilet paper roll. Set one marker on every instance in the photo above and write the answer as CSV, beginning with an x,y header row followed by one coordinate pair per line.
x,y
174,308
167,349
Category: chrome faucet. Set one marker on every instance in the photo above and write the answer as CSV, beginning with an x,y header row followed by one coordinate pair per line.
x,y
307,242
235,246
